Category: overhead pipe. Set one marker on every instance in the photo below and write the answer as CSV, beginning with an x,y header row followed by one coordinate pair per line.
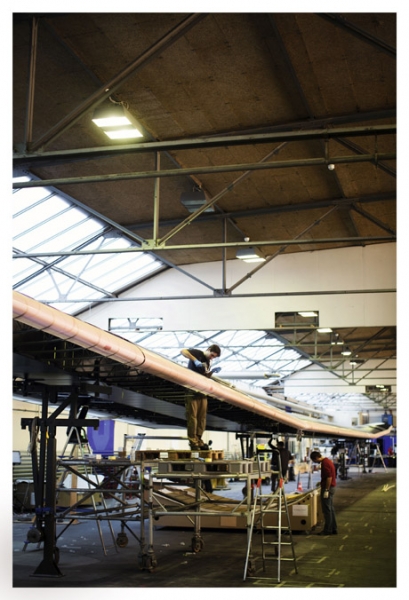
x,y
66,327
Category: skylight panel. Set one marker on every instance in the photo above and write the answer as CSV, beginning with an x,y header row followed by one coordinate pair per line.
x,y
28,197
29,221
46,222
24,267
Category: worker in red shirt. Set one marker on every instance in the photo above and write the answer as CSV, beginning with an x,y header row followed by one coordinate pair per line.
x,y
328,483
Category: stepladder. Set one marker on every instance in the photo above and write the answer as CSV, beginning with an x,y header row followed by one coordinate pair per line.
x,y
270,524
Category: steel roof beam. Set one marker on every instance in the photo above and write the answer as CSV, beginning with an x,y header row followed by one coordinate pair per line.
x,y
284,208
344,240
259,166
24,158
340,21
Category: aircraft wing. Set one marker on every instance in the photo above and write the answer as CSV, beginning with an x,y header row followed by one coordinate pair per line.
x,y
229,408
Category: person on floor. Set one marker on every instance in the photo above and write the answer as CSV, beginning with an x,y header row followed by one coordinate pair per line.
x,y
196,403
279,451
328,484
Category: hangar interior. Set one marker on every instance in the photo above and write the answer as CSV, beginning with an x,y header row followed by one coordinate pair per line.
x,y
256,210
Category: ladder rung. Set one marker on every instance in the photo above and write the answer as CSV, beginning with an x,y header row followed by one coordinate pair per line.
x,y
275,504
276,544
281,558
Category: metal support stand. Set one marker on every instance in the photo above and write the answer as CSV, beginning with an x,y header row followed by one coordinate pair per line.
x,y
44,480
197,541
74,437
147,560
246,444
46,515
378,454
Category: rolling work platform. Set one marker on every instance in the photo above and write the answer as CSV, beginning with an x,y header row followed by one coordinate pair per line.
x,y
139,501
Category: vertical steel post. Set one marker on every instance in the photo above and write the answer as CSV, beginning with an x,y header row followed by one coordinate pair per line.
x,y
48,566
156,200
31,84
224,255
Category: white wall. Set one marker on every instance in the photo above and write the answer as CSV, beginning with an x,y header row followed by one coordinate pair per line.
x,y
314,380
347,269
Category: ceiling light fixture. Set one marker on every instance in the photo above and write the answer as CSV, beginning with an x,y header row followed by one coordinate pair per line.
x,y
356,361
116,121
250,255
324,330
308,313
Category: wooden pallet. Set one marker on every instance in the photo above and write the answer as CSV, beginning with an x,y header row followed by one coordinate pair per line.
x,y
144,455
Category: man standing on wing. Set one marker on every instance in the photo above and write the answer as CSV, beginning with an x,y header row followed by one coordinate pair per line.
x,y
196,403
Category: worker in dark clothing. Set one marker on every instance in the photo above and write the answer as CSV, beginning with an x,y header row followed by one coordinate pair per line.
x,y
328,483
196,403
279,459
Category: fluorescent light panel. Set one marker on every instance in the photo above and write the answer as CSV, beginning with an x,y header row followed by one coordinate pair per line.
x,y
117,122
122,134
250,255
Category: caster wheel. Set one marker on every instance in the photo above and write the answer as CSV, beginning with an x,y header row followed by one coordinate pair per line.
x,y
34,535
122,540
197,545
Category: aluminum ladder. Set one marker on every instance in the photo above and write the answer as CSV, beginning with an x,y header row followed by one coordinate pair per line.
x,y
274,508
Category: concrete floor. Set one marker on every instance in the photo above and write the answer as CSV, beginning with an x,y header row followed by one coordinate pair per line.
x,y
362,555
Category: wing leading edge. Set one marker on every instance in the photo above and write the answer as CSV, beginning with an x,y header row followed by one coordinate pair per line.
x,y
66,327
